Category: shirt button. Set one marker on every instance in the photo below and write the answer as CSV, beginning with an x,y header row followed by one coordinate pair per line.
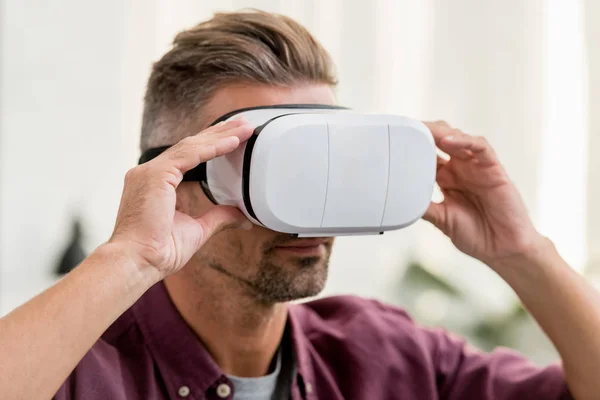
x,y
308,387
223,390
183,391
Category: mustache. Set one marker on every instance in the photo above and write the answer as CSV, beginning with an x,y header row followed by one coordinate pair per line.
x,y
283,239
280,239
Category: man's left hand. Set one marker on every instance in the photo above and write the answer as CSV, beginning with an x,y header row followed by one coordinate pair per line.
x,y
482,212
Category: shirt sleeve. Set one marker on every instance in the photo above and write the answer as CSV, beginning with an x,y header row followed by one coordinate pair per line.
x,y
463,372
65,392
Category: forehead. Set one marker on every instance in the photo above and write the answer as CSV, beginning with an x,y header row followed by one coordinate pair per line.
x,y
233,97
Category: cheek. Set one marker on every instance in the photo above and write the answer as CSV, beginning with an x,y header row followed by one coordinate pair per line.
x,y
224,248
238,251
248,245
234,247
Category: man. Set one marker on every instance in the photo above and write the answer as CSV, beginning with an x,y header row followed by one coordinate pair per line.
x,y
187,300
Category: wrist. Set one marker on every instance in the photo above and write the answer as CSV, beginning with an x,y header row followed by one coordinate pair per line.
x,y
124,260
538,257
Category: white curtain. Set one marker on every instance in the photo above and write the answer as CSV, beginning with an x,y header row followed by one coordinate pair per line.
x,y
592,45
513,71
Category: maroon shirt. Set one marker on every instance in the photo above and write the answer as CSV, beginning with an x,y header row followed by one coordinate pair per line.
x,y
344,348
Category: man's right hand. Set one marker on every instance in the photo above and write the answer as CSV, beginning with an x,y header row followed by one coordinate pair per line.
x,y
148,228
58,326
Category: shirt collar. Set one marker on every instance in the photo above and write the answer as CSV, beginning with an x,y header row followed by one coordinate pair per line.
x,y
179,354
182,359
302,347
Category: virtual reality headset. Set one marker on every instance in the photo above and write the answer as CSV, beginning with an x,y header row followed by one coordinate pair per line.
x,y
317,170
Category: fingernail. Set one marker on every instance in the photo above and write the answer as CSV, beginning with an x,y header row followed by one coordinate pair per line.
x,y
221,123
242,120
450,138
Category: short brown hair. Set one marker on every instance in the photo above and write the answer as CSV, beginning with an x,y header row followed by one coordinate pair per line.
x,y
239,47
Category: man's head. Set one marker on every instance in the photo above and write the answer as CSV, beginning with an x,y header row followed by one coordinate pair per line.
x,y
232,61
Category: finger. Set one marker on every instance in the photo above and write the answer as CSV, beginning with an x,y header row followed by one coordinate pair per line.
x,y
441,162
436,215
194,150
220,218
437,124
477,146
447,180
440,130
450,146
221,129
224,125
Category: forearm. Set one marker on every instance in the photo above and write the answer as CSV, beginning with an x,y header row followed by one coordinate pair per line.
x,y
566,307
44,339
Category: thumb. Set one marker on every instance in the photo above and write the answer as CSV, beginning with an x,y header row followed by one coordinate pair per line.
x,y
436,214
220,218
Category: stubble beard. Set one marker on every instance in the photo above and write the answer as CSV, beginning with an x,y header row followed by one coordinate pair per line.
x,y
278,278
275,283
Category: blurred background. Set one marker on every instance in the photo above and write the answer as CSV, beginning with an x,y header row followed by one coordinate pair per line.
x,y
521,73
